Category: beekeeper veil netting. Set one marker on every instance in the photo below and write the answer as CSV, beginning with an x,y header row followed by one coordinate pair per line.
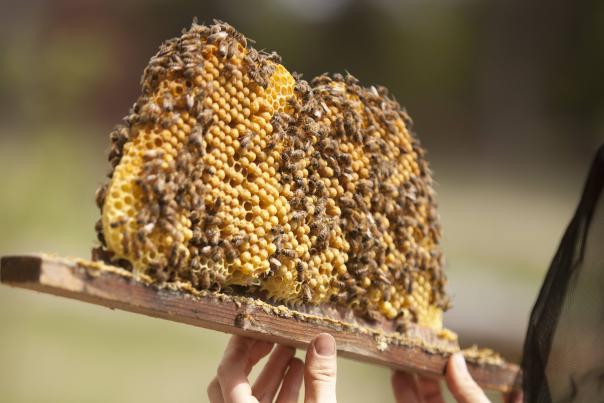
x,y
564,348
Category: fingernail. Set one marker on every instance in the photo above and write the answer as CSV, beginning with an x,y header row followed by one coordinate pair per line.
x,y
459,362
325,345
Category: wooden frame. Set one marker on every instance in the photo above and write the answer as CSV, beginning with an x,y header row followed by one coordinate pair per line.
x,y
115,288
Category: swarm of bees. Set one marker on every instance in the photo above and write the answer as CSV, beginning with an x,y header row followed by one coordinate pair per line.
x,y
233,174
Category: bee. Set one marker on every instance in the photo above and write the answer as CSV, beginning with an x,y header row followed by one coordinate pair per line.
x,y
206,250
100,194
387,294
361,270
258,78
251,57
205,281
218,254
303,89
274,265
306,293
344,158
267,71
239,240
159,184
401,324
119,134
338,283
175,62
195,263
230,70
300,270
245,140
216,36
223,48
211,220
288,165
275,139
299,182
278,242
213,208
125,243
299,216
141,234
274,57
98,227
173,256
347,202
413,313
328,145
372,315
230,252
297,155
189,101
315,184
351,80
219,279
294,104
120,222
358,291
298,198
213,236
322,237
209,170
279,120
320,206
408,284
150,112
204,116
167,102
350,123
445,303
194,279
162,275
288,253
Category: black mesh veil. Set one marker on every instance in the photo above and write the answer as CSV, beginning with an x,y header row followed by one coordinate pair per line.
x,y
563,358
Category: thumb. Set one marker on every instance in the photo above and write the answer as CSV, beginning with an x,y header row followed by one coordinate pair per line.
x,y
320,370
460,382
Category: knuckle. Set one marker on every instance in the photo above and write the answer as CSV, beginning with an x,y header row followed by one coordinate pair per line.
x,y
322,373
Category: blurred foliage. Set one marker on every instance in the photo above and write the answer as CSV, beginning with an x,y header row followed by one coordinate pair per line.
x,y
506,96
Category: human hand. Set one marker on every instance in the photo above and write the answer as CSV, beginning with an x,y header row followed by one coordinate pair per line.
x,y
282,370
409,388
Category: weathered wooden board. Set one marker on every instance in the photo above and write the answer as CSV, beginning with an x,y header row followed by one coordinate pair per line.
x,y
67,278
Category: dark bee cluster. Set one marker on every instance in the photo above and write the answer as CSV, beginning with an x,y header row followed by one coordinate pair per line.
x,y
230,173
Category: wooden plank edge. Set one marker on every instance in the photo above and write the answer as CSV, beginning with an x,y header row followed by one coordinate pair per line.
x,y
53,276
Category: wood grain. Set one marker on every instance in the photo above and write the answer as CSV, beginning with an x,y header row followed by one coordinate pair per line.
x,y
67,278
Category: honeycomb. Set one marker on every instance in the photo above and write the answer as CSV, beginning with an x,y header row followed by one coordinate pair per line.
x,y
232,174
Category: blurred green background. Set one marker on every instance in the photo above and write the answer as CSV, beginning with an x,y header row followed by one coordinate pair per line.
x,y
507,97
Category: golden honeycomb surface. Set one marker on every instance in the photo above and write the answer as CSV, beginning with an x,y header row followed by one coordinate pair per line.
x,y
231,173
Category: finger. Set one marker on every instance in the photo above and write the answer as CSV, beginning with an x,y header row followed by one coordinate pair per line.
x,y
460,382
320,370
290,389
214,392
231,370
266,386
430,390
259,350
405,387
